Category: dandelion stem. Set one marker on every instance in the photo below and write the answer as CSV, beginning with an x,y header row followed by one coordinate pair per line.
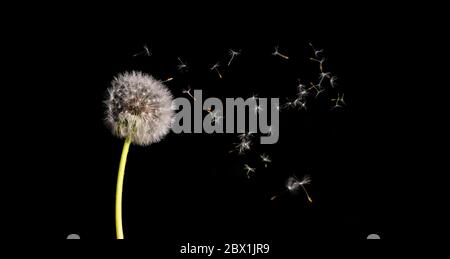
x,y
119,189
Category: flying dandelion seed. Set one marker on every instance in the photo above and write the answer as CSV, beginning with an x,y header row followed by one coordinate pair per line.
x,y
181,66
258,108
138,109
324,75
317,52
266,159
319,92
339,101
233,54
168,80
318,88
188,92
254,97
289,105
245,143
277,53
302,92
333,80
269,131
249,170
293,185
300,104
215,67
145,52
215,115
243,146
321,62
246,136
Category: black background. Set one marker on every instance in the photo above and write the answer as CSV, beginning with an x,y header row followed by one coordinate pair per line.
x,y
189,188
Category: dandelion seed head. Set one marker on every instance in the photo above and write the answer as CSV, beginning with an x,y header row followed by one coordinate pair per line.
x,y
140,107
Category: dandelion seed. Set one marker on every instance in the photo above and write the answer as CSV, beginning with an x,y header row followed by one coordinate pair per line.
x,y
321,62
245,143
232,55
249,170
181,66
339,101
258,108
318,88
269,131
215,67
215,117
145,52
302,92
333,80
168,80
289,105
277,53
319,92
300,104
316,51
246,136
293,184
188,92
324,75
244,146
266,159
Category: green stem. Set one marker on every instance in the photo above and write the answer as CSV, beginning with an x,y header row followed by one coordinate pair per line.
x,y
119,189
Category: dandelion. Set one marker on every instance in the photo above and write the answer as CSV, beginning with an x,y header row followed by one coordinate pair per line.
x,y
277,53
232,55
139,110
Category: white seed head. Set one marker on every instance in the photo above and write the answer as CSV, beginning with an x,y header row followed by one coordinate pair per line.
x,y
140,107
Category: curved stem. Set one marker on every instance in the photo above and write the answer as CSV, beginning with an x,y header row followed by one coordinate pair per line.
x,y
119,188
